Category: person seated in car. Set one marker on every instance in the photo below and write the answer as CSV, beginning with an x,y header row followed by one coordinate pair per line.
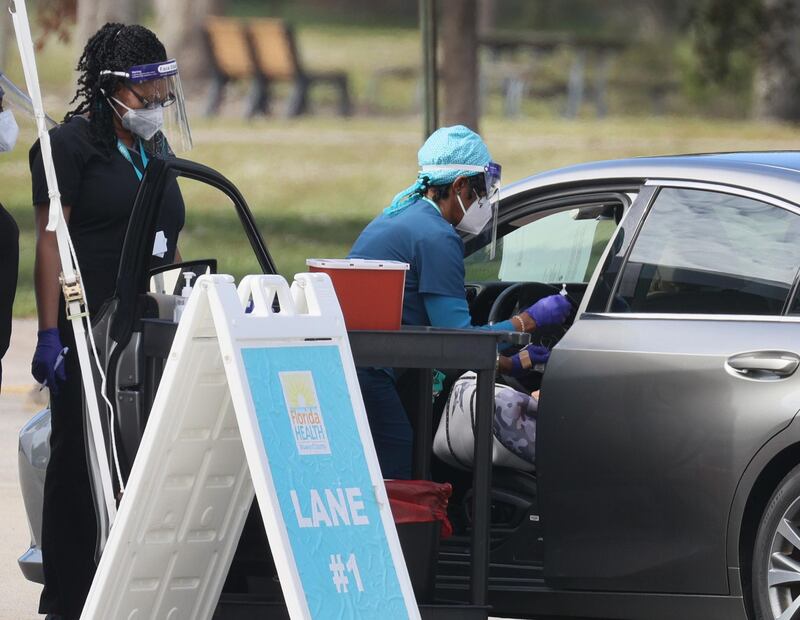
x,y
457,188
513,420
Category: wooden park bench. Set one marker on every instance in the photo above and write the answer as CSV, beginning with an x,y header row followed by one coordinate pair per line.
x,y
231,60
277,57
273,57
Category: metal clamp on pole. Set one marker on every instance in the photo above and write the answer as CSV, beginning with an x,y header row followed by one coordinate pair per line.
x,y
73,293
72,290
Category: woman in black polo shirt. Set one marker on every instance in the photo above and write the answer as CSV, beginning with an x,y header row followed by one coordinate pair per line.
x,y
100,153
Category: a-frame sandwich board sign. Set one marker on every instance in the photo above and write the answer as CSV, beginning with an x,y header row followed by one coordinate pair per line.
x,y
267,402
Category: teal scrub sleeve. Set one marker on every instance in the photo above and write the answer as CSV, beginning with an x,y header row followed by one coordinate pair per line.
x,y
453,312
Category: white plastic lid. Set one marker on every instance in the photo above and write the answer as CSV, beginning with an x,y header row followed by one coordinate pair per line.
x,y
355,263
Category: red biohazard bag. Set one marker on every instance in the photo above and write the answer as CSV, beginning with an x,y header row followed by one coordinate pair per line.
x,y
420,501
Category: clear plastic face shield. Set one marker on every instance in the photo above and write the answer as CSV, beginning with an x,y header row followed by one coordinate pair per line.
x,y
14,103
157,87
489,198
13,98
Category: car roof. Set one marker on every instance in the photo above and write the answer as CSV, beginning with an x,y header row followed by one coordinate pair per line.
x,y
775,173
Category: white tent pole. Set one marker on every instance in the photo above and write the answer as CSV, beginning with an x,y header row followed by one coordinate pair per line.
x,y
72,286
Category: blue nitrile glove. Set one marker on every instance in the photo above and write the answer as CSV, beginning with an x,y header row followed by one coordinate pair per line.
x,y
527,358
551,310
48,366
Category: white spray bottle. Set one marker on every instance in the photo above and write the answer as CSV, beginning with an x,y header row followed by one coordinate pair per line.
x,y
180,302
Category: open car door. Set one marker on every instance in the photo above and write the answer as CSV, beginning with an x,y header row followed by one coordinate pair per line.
x,y
135,328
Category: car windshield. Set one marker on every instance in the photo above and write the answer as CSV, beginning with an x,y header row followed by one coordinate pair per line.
x,y
564,246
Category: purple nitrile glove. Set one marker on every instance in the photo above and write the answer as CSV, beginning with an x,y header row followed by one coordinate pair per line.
x,y
48,366
527,358
551,310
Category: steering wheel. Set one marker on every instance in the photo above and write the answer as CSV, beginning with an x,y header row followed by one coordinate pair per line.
x,y
517,298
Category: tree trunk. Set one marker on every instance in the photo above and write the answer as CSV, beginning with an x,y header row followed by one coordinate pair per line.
x,y
777,83
6,33
487,15
180,24
459,36
93,14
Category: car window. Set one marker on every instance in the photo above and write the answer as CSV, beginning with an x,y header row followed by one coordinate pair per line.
x,y
705,252
213,230
561,247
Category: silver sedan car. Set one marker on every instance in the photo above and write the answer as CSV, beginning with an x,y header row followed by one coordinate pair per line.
x,y
667,474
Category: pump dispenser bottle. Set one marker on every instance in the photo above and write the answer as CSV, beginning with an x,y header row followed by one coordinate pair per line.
x,y
180,302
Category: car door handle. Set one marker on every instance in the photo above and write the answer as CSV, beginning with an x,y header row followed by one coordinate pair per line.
x,y
775,363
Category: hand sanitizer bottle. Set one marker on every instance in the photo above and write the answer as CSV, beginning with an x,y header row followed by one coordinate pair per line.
x,y
180,302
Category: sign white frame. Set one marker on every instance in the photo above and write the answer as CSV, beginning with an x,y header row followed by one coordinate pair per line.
x,y
202,457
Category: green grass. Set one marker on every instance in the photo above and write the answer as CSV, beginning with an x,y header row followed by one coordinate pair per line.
x,y
314,183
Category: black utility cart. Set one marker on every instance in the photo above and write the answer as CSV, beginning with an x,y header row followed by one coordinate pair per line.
x,y
420,350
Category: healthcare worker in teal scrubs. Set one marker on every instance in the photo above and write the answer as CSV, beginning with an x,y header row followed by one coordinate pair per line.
x,y
457,189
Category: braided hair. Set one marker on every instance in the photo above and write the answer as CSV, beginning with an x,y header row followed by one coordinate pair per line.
x,y
115,47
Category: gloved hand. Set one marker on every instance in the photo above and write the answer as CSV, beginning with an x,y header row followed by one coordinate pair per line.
x,y
551,310
528,357
47,366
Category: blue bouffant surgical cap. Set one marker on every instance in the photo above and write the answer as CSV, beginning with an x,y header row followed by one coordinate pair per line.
x,y
445,146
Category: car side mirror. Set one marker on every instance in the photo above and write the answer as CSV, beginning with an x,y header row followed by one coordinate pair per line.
x,y
168,280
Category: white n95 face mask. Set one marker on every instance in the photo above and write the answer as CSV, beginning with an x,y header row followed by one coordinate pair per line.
x,y
144,122
9,130
476,216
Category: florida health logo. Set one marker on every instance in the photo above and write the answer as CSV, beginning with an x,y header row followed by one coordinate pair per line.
x,y
305,414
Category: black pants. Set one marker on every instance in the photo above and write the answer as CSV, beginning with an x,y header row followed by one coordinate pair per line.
x,y
9,265
69,527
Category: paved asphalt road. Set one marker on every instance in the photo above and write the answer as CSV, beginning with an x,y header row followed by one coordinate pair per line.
x,y
19,598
